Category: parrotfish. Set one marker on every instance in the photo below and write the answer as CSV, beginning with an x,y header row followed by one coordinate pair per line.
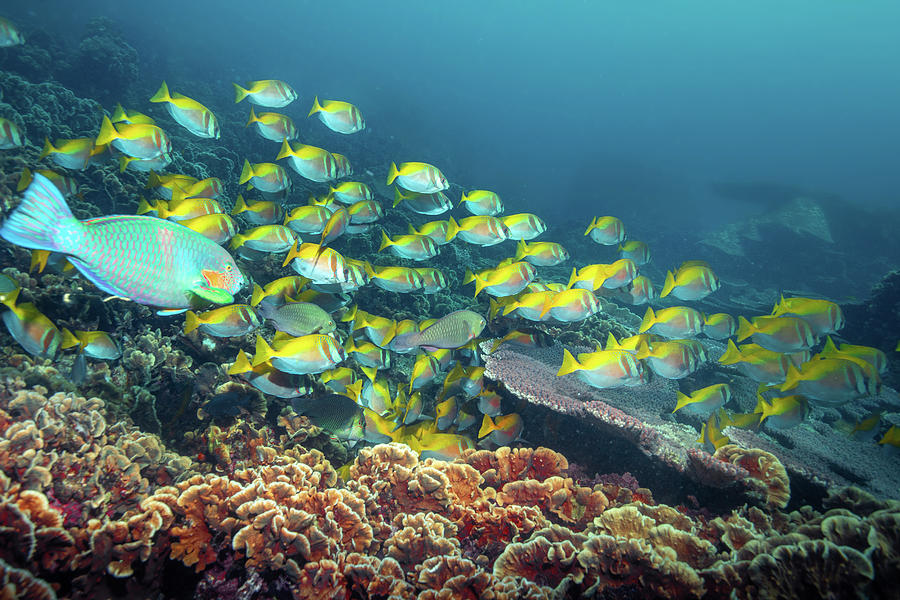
x,y
298,318
450,331
338,116
188,113
148,260
271,93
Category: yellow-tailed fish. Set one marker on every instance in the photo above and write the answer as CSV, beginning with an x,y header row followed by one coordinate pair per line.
x,y
468,380
440,446
264,212
616,275
227,321
417,177
502,430
873,356
728,418
160,161
9,34
433,280
639,291
571,305
273,126
891,437
338,379
673,322
445,413
266,177
436,230
425,370
779,334
828,381
338,116
465,420
694,282
270,93
412,412
120,115
335,226
268,379
368,354
216,227
704,401
413,247
604,368
69,153
482,203
148,260
396,279
757,363
303,355
823,316
784,412
298,318
541,254
719,326
188,113
608,231
637,251
436,203
321,265
524,226
179,208
211,187
95,344
137,140
357,275
311,162
375,393
66,184
276,292
364,212
342,163
450,331
631,343
589,277
307,219
478,230
671,359
351,192
10,135
525,338
444,356
165,185
265,238
505,280
37,334
711,436
489,403
379,330
529,305
379,430
9,288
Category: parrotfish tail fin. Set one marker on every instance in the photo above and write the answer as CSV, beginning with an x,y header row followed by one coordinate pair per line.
x,y
569,364
246,173
263,351
745,329
385,241
107,133
591,226
487,426
24,180
162,94
253,118
239,93
241,364
191,322
732,354
452,229
285,150
47,150
36,222
669,284
647,322
392,174
239,205
316,107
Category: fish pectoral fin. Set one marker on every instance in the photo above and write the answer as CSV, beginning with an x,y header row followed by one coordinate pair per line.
x,y
169,312
217,295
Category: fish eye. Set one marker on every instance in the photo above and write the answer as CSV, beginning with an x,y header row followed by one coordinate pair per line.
x,y
228,267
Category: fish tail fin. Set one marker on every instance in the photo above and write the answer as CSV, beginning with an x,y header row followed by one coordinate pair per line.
x,y
162,94
398,197
292,253
153,180
521,250
569,364
385,241
239,93
792,378
239,205
68,339
370,372
545,307
591,226
648,320
487,426
107,133
263,352
463,198
257,295
246,173
144,207
241,364
191,322
745,329
392,173
253,118
316,107
830,348
285,150
732,354
643,350
47,150
37,220
669,284
237,241
480,284
124,161
452,229
9,299
119,114
25,179
39,260
682,401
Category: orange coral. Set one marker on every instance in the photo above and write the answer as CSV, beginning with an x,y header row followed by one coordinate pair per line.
x,y
768,477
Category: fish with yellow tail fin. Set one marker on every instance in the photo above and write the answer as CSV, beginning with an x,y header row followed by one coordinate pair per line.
x,y
528,305
571,305
413,247
309,354
478,230
637,251
482,203
673,359
308,219
179,208
417,177
824,316
121,115
673,322
227,321
542,254
425,370
273,126
711,436
9,288
365,212
374,392
402,280
445,413
502,430
266,177
268,379
639,291
342,164
433,280
338,116
94,344
536,339
704,401
216,227
188,113
440,446
589,277
719,326
489,403
505,280
338,379
436,203
165,184
264,212
320,265
271,93
604,369
450,331
379,330
148,260
757,363
137,140
891,439
875,357
351,192
368,354
467,380
782,413
690,283
273,239
69,153
311,162
778,334
829,381
607,231
616,275
37,334
524,226
866,429
278,291
66,184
